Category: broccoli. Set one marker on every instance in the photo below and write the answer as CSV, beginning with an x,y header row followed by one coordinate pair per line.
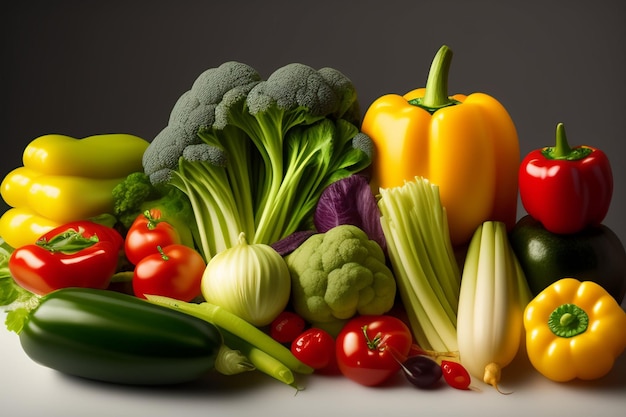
x,y
194,110
340,273
136,194
254,155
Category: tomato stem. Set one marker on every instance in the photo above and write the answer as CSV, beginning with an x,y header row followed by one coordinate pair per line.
x,y
163,254
152,222
372,344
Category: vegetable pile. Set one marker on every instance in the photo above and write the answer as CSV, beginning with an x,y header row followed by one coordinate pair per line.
x,y
267,228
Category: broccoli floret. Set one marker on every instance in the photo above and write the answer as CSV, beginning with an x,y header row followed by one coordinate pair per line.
x,y
136,194
348,105
129,196
254,155
338,274
193,111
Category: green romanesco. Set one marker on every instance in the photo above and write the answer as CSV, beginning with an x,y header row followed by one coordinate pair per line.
x,y
340,273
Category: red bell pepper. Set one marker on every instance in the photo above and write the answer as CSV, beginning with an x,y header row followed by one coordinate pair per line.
x,y
76,254
566,188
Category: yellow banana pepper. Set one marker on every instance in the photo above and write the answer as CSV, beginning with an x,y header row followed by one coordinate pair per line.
x,y
20,226
467,145
99,156
574,330
65,179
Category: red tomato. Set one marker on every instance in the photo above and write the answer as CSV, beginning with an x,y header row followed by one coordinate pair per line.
x,y
286,327
146,233
366,347
175,271
316,348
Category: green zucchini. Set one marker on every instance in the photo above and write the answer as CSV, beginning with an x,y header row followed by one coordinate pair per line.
x,y
114,337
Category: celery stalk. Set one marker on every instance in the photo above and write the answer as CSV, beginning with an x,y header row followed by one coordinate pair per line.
x,y
415,226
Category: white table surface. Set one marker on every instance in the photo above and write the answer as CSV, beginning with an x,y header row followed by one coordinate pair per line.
x,y
30,390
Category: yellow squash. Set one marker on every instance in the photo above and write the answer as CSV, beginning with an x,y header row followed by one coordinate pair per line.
x,y
574,330
467,145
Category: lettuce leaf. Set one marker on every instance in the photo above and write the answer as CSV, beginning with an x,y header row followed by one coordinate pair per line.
x,y
15,300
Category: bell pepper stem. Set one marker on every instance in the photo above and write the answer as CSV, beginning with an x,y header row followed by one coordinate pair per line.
x,y
436,95
70,241
568,320
562,150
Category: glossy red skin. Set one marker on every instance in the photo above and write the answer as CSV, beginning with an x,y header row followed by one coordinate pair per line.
x,y
456,375
566,196
316,348
286,327
41,271
143,240
371,367
179,276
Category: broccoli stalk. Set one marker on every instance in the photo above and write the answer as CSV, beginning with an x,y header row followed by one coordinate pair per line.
x,y
253,156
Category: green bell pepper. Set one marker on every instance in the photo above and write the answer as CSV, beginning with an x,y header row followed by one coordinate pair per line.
x,y
595,254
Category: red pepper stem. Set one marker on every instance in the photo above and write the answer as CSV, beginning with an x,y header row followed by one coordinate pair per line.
x,y
562,150
70,241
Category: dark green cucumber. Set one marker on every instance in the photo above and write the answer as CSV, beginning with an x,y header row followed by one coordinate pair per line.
x,y
114,337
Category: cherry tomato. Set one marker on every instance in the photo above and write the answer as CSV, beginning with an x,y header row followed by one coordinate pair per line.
x,y
316,348
146,233
366,347
456,375
174,271
286,327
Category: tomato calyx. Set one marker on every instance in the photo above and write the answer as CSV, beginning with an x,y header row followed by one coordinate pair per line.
x,y
152,220
373,344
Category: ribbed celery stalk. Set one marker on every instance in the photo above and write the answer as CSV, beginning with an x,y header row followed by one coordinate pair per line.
x,y
415,226
494,293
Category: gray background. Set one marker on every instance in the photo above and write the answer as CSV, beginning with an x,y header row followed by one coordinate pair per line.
x,y
81,68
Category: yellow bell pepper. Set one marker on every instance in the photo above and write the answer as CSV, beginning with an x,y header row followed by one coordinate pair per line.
x,y
467,145
65,179
574,330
